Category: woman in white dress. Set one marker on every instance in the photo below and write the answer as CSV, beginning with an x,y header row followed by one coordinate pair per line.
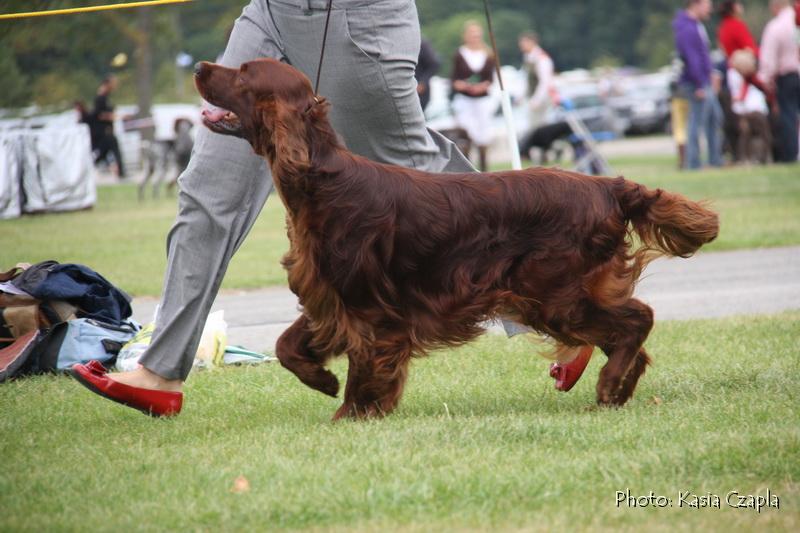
x,y
473,72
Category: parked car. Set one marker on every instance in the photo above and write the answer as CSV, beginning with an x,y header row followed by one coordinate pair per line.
x,y
644,104
585,101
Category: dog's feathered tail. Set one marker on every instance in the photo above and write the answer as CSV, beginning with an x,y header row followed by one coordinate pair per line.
x,y
666,223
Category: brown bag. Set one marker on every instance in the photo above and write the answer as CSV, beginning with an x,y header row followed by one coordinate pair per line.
x,y
18,321
21,314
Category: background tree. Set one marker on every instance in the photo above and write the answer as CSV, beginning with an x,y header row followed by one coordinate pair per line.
x,y
15,85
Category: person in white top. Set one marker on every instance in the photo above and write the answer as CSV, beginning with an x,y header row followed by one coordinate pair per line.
x,y
750,107
541,76
473,75
778,68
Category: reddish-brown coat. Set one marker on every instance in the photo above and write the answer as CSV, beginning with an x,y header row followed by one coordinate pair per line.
x,y
390,262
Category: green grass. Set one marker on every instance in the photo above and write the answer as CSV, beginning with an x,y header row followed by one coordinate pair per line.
x,y
481,441
125,240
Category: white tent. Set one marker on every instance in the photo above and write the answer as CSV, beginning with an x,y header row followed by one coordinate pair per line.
x,y
10,177
51,168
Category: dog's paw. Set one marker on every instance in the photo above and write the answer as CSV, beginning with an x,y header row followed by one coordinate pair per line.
x,y
359,412
616,397
609,392
344,411
622,395
325,382
603,400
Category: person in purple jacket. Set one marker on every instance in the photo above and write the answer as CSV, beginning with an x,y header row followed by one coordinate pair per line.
x,y
692,43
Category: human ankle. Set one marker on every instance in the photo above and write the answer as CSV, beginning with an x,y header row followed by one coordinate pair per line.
x,y
148,379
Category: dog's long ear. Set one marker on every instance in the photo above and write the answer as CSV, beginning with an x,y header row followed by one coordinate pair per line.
x,y
290,138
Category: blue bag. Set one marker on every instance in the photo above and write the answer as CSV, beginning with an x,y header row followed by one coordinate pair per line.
x,y
77,341
87,339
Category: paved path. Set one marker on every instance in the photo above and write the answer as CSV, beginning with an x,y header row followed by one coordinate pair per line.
x,y
708,285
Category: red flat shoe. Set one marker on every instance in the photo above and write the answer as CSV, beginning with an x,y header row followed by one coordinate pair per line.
x,y
568,374
93,376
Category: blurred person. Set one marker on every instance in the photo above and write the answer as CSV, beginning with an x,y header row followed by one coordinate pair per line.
x,y
730,121
733,32
473,73
679,113
695,84
541,78
734,36
749,105
428,65
778,68
85,116
105,116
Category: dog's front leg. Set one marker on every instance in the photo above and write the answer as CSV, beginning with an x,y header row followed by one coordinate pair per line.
x,y
375,381
295,354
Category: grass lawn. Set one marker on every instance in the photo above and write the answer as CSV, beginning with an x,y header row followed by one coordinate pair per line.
x,y
125,240
481,441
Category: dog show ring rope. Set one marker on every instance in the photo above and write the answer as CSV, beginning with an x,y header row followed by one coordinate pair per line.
x,y
89,9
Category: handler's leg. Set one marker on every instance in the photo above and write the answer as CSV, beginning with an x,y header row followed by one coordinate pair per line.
x,y
221,193
368,75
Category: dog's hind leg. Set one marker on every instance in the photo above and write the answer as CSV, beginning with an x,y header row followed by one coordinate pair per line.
x,y
635,372
375,381
295,354
620,331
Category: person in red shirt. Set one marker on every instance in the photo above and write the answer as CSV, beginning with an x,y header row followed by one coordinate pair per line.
x,y
733,35
733,31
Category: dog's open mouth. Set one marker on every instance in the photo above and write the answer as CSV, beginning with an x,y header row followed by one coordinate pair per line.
x,y
222,121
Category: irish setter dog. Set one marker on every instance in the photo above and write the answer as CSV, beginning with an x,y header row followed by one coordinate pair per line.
x,y
389,262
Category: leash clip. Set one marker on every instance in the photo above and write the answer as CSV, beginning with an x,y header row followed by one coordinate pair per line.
x,y
316,101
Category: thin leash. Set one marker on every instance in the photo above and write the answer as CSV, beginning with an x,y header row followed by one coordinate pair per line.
x,y
494,44
322,51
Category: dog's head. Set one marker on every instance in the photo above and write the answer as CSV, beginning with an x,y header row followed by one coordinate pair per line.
x,y
265,102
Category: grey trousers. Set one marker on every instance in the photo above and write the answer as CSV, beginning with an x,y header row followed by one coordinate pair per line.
x,y
368,76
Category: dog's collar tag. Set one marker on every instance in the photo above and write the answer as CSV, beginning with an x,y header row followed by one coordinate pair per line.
x,y
312,104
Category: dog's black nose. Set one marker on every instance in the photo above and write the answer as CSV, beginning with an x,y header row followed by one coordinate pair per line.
x,y
198,67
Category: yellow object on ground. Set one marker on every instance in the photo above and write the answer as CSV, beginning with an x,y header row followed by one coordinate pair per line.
x,y
680,120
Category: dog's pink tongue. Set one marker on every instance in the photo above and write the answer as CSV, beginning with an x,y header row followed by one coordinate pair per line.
x,y
214,114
